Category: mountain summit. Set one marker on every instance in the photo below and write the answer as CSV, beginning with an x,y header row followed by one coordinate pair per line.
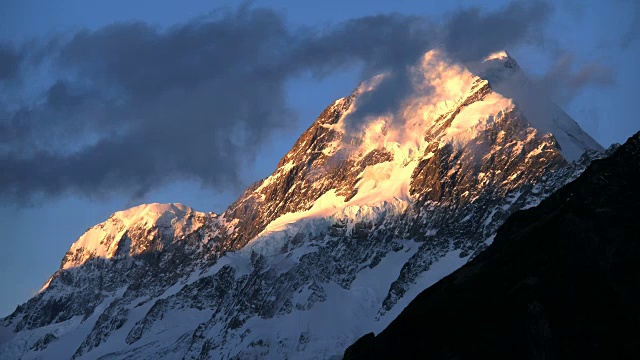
x,y
389,190
507,79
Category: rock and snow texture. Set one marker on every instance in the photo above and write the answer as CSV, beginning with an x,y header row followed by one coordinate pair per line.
x,y
559,282
364,212
508,79
113,238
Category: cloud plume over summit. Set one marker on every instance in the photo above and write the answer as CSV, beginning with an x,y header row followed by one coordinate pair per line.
x,y
130,106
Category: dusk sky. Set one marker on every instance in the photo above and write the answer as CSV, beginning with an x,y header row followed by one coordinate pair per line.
x,y
108,104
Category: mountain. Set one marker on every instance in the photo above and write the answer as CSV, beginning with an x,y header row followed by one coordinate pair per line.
x,y
558,282
389,190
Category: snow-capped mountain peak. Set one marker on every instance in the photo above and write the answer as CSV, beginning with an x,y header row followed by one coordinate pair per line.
x,y
508,79
131,232
371,205
154,214
449,104
501,56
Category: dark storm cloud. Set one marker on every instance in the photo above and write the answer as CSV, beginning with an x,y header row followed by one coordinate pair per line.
x,y
132,107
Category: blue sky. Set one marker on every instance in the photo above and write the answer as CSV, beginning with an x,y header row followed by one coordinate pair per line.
x,y
589,49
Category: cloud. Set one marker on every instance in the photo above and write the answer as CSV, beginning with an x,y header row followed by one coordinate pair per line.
x,y
564,80
380,42
130,107
467,35
471,34
136,107
388,44
10,59
634,28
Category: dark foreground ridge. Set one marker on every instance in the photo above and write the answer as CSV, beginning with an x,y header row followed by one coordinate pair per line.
x,y
560,281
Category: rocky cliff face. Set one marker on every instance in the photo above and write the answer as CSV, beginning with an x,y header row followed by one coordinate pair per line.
x,y
365,211
559,282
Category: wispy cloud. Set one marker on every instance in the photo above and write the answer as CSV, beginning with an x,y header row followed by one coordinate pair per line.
x,y
10,59
130,107
564,80
633,31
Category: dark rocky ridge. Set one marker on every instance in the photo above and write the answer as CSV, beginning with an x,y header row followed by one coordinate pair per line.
x,y
297,187
559,281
